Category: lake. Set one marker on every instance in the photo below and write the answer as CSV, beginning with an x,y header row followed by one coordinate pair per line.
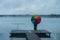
x,y
24,23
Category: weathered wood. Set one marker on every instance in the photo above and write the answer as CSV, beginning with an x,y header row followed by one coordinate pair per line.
x,y
18,34
26,31
30,34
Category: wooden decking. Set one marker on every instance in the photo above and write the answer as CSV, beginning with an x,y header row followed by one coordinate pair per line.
x,y
30,34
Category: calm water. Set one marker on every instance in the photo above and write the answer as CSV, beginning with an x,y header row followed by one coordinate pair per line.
x,y
9,23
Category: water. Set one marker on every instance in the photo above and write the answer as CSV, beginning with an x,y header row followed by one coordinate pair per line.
x,y
9,23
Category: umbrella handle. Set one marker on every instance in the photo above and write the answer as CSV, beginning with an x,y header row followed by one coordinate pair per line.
x,y
35,27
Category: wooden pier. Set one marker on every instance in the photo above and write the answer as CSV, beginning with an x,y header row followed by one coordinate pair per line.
x,y
30,34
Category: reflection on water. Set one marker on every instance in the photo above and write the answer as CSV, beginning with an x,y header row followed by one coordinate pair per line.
x,y
7,24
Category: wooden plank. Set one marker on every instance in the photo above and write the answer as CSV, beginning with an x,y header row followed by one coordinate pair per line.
x,y
32,36
25,31
19,31
18,34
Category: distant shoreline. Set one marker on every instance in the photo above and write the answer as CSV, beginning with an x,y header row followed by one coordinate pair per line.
x,y
28,15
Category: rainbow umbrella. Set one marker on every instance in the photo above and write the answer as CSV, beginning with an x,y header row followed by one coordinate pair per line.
x,y
36,19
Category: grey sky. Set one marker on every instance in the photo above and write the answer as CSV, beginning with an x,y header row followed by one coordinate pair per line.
x,y
29,7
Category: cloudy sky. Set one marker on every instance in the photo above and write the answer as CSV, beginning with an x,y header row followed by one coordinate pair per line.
x,y
8,7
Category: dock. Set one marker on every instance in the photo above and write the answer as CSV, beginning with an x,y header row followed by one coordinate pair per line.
x,y
30,34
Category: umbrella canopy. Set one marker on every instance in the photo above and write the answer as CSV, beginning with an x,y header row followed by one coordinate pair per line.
x,y
36,19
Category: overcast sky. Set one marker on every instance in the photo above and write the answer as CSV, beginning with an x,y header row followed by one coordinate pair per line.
x,y
29,7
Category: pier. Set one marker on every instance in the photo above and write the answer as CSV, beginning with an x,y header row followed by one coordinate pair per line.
x,y
30,34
